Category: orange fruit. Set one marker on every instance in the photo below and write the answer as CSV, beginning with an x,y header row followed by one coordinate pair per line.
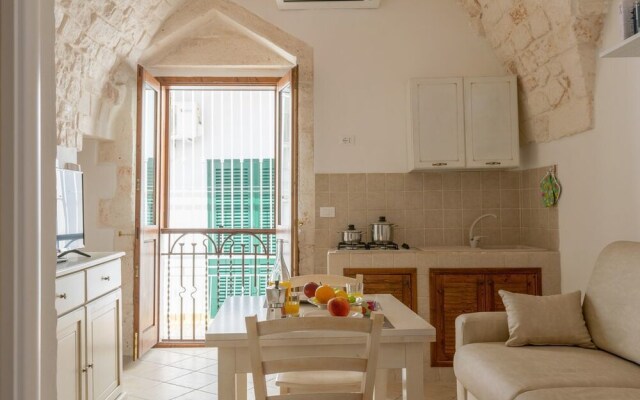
x,y
324,293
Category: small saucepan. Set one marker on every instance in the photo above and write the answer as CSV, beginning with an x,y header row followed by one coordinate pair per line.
x,y
351,235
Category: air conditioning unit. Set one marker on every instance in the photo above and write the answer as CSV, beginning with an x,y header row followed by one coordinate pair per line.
x,y
314,4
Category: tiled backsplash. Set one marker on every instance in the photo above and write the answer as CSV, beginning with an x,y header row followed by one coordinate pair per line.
x,y
436,208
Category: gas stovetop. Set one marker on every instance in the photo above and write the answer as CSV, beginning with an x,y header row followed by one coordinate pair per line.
x,y
369,246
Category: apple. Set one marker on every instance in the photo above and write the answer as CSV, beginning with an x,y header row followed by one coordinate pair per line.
x,y
339,307
310,289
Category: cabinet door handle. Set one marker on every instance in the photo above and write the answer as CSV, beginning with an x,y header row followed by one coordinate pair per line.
x,y
61,296
84,370
106,278
90,366
439,164
493,163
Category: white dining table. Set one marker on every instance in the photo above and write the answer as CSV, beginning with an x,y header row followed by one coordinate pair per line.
x,y
401,346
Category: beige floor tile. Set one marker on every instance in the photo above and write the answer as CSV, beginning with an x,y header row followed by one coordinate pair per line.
x,y
162,373
163,391
162,356
194,380
198,395
194,363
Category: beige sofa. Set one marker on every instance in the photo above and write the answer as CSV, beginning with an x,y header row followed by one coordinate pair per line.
x,y
486,369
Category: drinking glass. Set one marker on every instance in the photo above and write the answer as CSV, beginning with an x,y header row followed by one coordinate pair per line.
x,y
292,305
355,290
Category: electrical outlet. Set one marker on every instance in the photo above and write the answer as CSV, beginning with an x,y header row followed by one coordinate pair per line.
x,y
327,212
348,140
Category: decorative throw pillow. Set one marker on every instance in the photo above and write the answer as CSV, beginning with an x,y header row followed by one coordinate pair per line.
x,y
546,320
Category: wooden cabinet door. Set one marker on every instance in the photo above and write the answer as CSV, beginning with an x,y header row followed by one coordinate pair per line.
x,y
491,122
71,356
436,138
400,282
452,293
517,281
104,347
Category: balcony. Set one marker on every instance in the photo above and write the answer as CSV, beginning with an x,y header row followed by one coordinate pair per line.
x,y
200,268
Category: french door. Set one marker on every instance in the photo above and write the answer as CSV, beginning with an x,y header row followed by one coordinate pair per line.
x,y
147,233
287,167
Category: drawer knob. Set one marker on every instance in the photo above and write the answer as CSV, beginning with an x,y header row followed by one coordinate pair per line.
x,y
61,296
439,164
90,366
106,278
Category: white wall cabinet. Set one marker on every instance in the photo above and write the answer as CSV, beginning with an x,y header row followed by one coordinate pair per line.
x,y
463,123
89,305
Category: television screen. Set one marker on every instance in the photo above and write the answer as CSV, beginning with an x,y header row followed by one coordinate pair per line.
x,y
70,210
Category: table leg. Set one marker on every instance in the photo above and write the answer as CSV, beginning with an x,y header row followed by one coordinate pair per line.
x,y
227,373
241,387
380,391
414,371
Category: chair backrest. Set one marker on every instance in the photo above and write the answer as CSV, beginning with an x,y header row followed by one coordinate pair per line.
x,y
331,280
612,301
367,364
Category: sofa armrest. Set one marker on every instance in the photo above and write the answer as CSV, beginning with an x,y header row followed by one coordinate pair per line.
x,y
481,327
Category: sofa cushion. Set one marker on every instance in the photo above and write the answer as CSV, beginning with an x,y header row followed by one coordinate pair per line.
x,y
497,372
583,393
612,301
545,320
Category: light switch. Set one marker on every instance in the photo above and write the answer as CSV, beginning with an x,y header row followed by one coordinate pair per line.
x,y
327,212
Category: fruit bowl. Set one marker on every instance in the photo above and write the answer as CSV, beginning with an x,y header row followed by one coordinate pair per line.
x,y
325,313
315,302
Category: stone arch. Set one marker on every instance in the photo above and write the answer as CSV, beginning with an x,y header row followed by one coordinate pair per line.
x,y
98,45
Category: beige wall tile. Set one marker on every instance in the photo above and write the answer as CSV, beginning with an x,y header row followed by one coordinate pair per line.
x,y
553,218
322,200
434,237
360,260
340,200
468,216
357,183
397,217
322,183
510,179
509,198
432,181
490,180
452,219
453,237
471,180
414,219
471,199
413,200
490,222
434,219
372,215
403,259
375,182
490,199
433,200
415,237
376,200
413,181
510,236
451,181
394,182
510,218
382,259
357,200
395,200
338,183
452,199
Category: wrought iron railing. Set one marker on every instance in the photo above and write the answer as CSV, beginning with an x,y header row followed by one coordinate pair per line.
x,y
200,268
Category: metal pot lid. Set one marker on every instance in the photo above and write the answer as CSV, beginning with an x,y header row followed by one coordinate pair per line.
x,y
351,228
382,220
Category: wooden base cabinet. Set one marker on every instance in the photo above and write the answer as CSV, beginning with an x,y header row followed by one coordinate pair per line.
x,y
89,364
400,282
455,291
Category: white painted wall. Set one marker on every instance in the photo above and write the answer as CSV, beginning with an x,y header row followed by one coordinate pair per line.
x,y
600,169
363,60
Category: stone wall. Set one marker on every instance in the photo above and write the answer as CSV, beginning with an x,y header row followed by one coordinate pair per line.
x,y
92,39
551,45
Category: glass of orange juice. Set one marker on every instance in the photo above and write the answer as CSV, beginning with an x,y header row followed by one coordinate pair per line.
x,y
292,305
355,290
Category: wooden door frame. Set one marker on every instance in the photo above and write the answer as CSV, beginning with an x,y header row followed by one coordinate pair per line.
x,y
145,77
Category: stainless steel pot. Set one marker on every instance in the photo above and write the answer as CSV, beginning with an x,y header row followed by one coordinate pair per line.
x,y
351,235
382,231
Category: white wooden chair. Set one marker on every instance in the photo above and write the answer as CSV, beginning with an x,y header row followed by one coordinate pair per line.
x,y
365,366
314,382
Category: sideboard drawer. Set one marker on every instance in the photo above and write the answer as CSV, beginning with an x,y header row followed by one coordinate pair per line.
x,y
69,292
103,279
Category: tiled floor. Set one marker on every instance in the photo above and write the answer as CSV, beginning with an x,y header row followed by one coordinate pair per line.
x,y
191,374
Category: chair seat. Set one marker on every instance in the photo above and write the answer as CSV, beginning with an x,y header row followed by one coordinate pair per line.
x,y
584,393
318,380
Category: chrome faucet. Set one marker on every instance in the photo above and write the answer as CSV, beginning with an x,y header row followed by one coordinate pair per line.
x,y
475,240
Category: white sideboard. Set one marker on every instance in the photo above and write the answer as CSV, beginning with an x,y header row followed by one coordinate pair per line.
x,y
89,306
